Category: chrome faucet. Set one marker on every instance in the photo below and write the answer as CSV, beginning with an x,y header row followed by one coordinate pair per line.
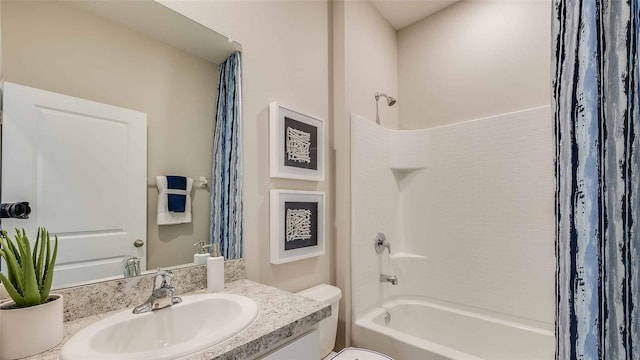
x,y
162,295
393,279
131,266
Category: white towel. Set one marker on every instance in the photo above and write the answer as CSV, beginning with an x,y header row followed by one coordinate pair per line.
x,y
166,217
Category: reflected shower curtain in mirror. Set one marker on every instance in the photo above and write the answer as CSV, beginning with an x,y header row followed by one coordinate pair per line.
x,y
595,98
226,180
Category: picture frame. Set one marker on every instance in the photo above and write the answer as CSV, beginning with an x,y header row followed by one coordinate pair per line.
x,y
297,220
297,144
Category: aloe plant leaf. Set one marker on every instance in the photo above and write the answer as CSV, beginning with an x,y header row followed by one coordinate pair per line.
x,y
13,268
13,292
16,253
40,240
31,292
35,250
48,274
6,243
46,266
11,246
27,244
12,279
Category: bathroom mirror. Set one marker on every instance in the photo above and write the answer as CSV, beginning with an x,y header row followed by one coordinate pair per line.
x,y
135,55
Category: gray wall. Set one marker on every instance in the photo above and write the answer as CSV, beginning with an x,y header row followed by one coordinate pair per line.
x,y
285,48
472,60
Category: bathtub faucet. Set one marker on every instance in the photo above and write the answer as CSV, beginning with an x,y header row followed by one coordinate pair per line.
x,y
393,279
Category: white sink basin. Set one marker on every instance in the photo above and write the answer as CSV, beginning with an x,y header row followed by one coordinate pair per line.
x,y
198,322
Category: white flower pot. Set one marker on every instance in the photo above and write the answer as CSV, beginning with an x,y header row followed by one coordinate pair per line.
x,y
29,331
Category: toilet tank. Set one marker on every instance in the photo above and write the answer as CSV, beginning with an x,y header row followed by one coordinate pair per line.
x,y
329,295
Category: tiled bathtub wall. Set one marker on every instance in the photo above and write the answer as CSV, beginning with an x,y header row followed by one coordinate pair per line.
x,y
475,225
375,207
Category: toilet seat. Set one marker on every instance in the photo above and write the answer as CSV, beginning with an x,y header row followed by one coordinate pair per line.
x,y
352,353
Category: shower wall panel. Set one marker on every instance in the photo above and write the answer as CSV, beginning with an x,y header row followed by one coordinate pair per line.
x,y
481,214
375,208
471,228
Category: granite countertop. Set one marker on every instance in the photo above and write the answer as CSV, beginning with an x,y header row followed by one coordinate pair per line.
x,y
282,315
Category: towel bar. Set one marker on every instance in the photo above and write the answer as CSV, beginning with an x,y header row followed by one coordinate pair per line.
x,y
200,183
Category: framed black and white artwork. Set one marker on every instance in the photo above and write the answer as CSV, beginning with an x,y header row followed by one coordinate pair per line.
x,y
297,225
297,144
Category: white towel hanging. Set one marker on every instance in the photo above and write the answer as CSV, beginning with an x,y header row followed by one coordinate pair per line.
x,y
166,217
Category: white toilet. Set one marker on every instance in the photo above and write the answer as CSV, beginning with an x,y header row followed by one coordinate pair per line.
x,y
331,295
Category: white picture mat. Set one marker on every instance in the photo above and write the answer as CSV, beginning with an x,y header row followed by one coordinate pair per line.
x,y
277,113
277,226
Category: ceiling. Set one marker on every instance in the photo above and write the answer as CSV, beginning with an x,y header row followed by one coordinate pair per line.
x,y
161,23
400,13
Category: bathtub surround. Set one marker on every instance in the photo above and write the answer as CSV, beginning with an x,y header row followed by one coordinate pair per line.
x,y
373,188
226,180
595,105
468,211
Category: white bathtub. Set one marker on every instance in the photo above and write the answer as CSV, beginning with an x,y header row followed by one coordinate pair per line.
x,y
420,330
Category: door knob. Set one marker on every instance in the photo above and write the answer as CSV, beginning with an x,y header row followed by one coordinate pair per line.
x,y
138,243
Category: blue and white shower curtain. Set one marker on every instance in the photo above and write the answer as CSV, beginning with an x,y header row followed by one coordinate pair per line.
x,y
595,98
226,183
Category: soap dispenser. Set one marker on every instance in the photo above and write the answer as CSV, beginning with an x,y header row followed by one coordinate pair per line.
x,y
215,269
202,254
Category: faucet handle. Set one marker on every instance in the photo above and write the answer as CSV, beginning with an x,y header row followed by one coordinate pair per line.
x,y
381,243
165,279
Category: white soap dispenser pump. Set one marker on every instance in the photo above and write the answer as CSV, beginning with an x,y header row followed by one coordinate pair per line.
x,y
202,253
215,269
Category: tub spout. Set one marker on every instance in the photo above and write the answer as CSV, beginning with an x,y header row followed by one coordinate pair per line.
x,y
393,279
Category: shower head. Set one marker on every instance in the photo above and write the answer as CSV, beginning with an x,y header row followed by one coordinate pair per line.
x,y
390,100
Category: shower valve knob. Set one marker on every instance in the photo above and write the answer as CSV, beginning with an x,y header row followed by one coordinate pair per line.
x,y
381,243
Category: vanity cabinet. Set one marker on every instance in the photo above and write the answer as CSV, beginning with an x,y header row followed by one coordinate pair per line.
x,y
306,346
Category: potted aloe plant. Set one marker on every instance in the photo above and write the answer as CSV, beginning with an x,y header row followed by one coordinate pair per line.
x,y
32,321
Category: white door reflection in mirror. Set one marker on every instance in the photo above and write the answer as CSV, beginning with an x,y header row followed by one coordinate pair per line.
x,y
82,166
